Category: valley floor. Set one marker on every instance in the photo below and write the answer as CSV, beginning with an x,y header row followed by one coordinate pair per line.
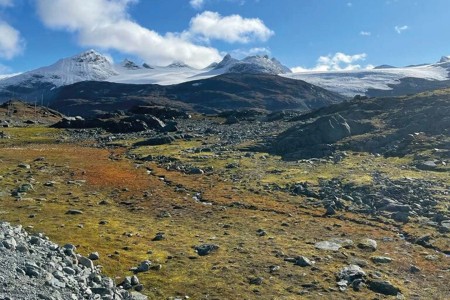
x,y
267,216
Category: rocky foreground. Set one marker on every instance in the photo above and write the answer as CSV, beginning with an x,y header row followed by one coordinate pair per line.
x,y
32,267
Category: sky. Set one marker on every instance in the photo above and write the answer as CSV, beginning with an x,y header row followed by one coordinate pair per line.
x,y
304,35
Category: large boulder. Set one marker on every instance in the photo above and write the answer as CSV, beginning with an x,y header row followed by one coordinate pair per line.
x,y
312,138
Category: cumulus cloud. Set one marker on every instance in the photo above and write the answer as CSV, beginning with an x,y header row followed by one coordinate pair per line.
x,y
400,29
197,4
6,3
337,62
11,43
232,29
365,33
106,24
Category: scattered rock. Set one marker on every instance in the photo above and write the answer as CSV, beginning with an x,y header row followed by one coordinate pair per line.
x,y
206,249
381,259
367,245
326,245
256,280
303,261
74,212
383,287
94,256
159,236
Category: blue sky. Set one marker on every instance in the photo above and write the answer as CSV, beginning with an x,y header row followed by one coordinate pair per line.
x,y
307,34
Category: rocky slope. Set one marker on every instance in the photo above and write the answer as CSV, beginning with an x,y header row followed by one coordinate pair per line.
x,y
389,126
32,267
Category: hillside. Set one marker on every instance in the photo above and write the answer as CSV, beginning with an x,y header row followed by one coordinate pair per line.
x,y
229,91
391,126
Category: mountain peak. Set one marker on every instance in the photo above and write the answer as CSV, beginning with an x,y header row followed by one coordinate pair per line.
x,y
227,61
444,59
130,65
90,56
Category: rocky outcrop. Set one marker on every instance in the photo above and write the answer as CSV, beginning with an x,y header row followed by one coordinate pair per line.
x,y
312,138
114,125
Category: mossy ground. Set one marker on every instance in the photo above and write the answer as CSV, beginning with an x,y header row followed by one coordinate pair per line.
x,y
138,203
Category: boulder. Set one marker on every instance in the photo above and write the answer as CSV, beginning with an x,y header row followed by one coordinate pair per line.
x,y
383,287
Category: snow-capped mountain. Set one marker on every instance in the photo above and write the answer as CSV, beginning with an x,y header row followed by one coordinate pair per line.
x,y
89,65
93,66
383,78
253,65
445,59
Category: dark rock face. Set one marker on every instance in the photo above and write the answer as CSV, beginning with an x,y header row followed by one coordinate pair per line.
x,y
114,125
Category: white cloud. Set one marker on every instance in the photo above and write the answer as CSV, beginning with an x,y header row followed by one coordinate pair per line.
x,y
197,4
107,25
11,44
6,3
337,62
232,29
365,33
400,29
241,53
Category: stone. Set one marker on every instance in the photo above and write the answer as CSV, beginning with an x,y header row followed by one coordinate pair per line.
x,y
206,249
261,232
69,271
159,236
134,280
24,188
326,245
400,216
9,243
139,288
351,273
256,280
195,171
383,287
94,256
367,245
330,211
86,262
303,261
138,296
74,212
381,259
414,269
144,266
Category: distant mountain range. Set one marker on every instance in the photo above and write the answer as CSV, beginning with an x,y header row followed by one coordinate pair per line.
x,y
39,85
384,80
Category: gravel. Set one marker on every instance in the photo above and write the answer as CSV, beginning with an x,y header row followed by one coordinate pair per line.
x,y
32,267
